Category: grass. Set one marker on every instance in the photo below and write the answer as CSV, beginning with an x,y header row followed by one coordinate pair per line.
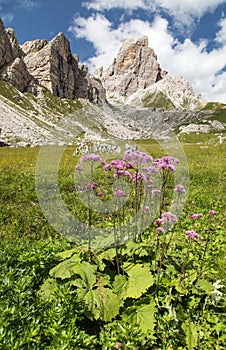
x,y
157,100
28,248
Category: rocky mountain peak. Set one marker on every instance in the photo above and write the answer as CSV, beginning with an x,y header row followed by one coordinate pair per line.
x,y
135,67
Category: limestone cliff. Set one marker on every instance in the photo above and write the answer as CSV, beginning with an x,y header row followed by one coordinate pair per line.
x,y
50,64
135,67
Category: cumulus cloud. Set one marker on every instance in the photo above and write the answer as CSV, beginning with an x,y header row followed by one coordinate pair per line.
x,y
204,69
192,7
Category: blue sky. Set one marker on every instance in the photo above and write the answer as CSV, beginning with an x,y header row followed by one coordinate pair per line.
x,y
189,36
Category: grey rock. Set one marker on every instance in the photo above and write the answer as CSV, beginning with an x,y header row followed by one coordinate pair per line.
x,y
135,67
17,74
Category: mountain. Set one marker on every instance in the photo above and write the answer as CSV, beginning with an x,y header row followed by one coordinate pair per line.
x,y
47,96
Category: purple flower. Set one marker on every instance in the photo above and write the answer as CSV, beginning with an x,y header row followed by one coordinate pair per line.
x,y
213,212
169,217
195,216
138,158
119,193
93,185
127,174
154,192
159,222
160,229
166,162
78,168
179,189
91,158
145,208
192,234
107,167
100,194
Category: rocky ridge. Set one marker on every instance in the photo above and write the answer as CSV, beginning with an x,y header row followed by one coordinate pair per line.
x,y
50,64
47,96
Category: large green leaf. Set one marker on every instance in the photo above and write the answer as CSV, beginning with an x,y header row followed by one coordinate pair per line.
x,y
66,268
191,334
66,253
102,303
142,316
48,288
139,280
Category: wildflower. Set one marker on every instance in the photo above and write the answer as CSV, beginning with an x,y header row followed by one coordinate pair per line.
x,y
93,185
159,222
192,234
119,345
213,212
79,168
107,167
100,194
145,208
166,162
179,189
91,157
196,216
154,192
127,174
138,157
119,193
160,229
170,217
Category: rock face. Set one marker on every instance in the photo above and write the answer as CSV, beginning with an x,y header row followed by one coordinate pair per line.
x,y
168,93
50,64
134,77
136,67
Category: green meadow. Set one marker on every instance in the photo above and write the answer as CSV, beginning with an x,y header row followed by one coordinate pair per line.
x,y
155,291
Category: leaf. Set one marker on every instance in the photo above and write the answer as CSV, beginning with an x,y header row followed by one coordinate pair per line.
x,y
66,253
191,333
48,288
205,285
66,268
102,303
140,279
108,254
142,316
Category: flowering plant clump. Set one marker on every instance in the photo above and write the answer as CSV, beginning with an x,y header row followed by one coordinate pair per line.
x,y
192,234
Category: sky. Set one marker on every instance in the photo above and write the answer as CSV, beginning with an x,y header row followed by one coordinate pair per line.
x,y
188,36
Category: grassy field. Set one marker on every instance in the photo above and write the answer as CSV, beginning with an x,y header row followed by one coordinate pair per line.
x,y
42,304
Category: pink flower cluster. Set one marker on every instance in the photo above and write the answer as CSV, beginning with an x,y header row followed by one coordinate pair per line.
x,y
138,158
196,216
179,189
166,162
167,219
119,193
91,158
192,234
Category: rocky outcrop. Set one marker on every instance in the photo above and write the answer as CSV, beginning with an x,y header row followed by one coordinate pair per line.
x,y
17,74
134,77
135,67
50,64
7,53
168,93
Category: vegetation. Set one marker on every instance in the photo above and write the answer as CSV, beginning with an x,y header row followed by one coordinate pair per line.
x,y
163,288
157,100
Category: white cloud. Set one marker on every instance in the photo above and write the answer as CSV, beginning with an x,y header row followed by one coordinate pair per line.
x,y
27,4
192,7
221,35
192,61
7,18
